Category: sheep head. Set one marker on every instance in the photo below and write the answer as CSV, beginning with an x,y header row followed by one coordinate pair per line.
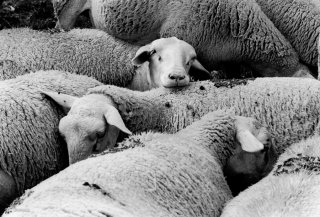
x,y
171,62
91,126
254,157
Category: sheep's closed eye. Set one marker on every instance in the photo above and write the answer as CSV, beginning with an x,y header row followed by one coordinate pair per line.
x,y
191,61
92,138
100,134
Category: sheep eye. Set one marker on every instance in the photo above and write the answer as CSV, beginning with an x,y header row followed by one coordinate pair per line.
x,y
92,138
100,135
191,60
159,58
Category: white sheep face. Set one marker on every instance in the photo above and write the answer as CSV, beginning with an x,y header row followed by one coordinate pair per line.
x,y
91,126
170,61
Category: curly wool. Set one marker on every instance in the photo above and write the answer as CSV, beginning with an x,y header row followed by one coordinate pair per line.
x,y
221,31
30,145
292,192
82,51
171,175
288,107
299,22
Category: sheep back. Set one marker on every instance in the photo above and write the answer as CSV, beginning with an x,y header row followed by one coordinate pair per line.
x,y
163,175
299,22
239,30
30,145
142,22
221,31
288,107
82,51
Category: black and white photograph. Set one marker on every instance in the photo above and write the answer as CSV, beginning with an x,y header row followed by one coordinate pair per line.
x,y
159,108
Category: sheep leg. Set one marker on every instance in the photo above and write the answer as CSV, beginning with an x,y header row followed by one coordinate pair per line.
x,y
8,190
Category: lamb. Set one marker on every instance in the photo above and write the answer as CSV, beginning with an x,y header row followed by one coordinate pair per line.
x,y
288,107
31,147
223,32
244,169
299,22
291,189
95,53
153,174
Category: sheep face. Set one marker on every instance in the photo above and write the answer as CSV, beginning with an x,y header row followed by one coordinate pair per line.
x,y
91,126
248,165
67,11
8,189
170,61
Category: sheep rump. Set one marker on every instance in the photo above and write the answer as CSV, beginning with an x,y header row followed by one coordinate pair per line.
x,y
299,22
163,175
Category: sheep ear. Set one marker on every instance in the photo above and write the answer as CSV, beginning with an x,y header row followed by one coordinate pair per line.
x,y
113,117
198,72
249,142
63,100
142,55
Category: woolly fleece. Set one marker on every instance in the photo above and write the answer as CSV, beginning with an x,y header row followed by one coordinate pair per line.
x,y
221,31
299,22
164,175
294,192
82,51
288,107
30,146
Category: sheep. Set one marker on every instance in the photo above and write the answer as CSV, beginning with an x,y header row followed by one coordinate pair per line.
x,y
31,147
299,22
288,107
291,189
244,169
153,174
223,32
95,53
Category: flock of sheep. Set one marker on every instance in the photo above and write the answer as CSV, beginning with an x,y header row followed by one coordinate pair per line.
x,y
123,119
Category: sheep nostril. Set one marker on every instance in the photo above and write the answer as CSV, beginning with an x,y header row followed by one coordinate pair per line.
x,y
172,76
181,77
176,77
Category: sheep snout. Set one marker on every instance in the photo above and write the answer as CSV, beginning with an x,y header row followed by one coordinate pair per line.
x,y
175,79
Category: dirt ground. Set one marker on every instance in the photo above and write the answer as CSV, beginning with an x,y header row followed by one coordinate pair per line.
x,y
36,14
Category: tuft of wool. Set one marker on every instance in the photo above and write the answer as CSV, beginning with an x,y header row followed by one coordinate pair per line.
x,y
30,145
288,107
169,175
